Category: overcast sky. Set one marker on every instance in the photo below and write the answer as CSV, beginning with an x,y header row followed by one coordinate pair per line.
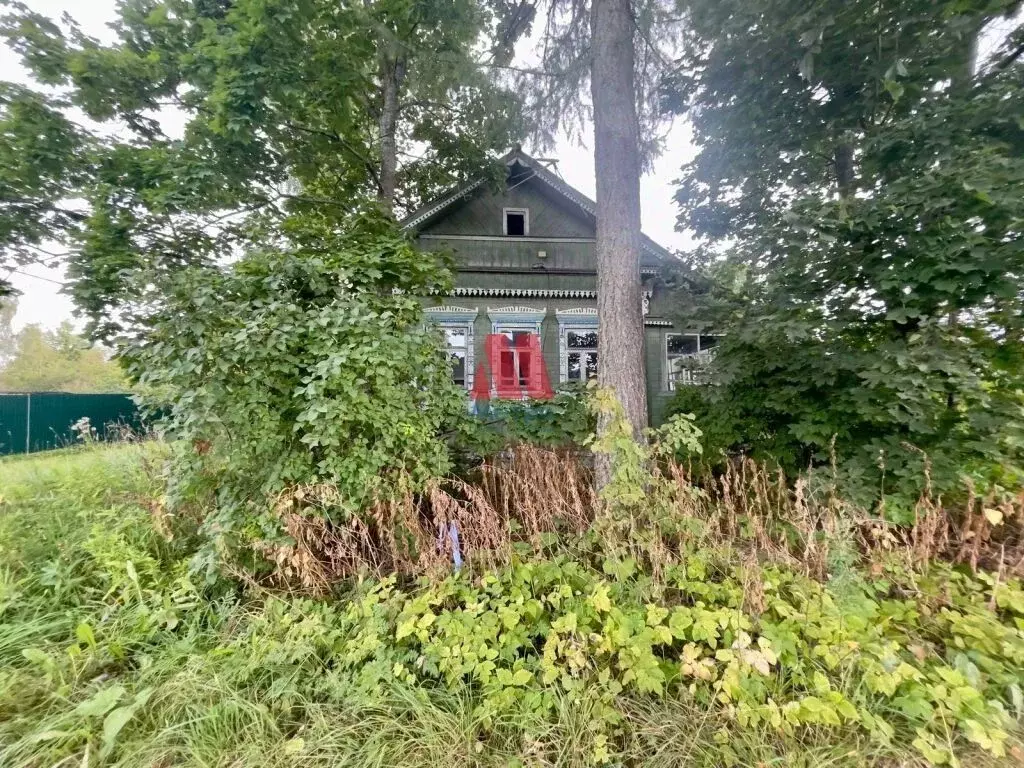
x,y
41,301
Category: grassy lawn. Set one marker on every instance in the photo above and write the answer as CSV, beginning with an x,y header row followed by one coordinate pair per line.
x,y
112,652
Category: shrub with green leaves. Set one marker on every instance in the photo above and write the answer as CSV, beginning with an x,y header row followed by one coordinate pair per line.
x,y
302,364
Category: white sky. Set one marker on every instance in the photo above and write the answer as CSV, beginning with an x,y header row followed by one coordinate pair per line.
x,y
41,301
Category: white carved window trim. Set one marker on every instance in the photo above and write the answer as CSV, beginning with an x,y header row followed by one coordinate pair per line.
x,y
526,221
458,318
517,318
578,319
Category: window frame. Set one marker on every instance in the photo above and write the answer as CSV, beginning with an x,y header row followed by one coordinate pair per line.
x,y
577,320
517,319
526,221
583,352
467,329
516,352
462,319
670,381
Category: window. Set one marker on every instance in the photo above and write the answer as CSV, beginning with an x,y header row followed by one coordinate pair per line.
x,y
514,352
515,362
456,325
457,344
517,222
580,355
687,355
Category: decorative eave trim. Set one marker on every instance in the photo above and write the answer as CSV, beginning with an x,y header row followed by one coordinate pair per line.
x,y
509,238
658,323
530,293
525,293
577,317
423,215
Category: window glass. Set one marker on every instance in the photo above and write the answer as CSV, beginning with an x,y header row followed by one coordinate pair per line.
x,y
687,356
581,339
515,363
456,336
458,366
708,342
580,355
456,341
681,343
574,368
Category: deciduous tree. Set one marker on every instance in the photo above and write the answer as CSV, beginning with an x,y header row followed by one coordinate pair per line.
x,y
864,183
287,106
58,361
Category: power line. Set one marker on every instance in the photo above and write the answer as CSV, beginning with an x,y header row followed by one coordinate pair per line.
x,y
37,277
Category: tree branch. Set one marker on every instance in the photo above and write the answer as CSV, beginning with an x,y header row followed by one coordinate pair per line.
x,y
523,70
370,167
1011,57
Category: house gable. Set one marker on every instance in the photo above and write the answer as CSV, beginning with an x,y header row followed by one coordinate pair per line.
x,y
472,206
481,213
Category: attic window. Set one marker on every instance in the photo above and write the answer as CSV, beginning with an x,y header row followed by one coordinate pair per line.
x,y
517,222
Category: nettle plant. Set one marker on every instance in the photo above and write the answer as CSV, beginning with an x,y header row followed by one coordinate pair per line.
x,y
300,365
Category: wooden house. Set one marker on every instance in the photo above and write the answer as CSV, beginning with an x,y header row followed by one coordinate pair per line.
x,y
525,265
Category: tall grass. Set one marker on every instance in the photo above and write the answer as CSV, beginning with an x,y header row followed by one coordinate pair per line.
x,y
96,601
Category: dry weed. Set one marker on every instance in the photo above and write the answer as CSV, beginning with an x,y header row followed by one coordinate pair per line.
x,y
528,491
521,494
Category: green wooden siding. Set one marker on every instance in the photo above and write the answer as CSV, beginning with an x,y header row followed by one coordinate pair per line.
x,y
515,253
481,214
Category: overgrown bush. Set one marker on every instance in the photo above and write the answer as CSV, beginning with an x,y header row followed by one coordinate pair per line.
x,y
303,364
565,420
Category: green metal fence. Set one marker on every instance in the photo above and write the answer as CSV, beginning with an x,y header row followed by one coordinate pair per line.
x,y
40,421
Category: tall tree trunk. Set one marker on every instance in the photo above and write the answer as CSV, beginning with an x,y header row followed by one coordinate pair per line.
x,y
392,74
617,168
844,166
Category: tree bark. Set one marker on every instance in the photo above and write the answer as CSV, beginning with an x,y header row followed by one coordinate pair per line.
x,y
392,74
617,168
844,167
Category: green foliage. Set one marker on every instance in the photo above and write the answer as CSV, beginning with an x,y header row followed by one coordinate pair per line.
x,y
870,185
719,432
57,361
638,507
564,420
281,104
108,651
298,366
42,159
808,660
